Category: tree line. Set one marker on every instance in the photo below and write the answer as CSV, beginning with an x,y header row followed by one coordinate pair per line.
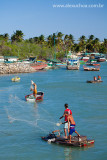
x,y
56,44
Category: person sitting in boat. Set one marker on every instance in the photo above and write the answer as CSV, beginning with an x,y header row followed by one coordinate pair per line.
x,y
99,78
71,129
95,79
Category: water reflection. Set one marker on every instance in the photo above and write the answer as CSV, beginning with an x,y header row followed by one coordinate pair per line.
x,y
68,153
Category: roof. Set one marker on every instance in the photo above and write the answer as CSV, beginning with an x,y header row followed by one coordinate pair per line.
x,y
53,60
10,57
92,53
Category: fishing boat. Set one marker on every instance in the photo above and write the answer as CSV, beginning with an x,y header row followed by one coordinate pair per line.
x,y
93,68
92,63
76,141
31,98
101,59
97,81
15,79
73,65
84,58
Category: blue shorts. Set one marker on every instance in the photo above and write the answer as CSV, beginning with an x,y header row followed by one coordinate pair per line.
x,y
72,129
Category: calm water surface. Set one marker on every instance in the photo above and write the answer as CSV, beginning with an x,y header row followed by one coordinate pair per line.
x,y
22,124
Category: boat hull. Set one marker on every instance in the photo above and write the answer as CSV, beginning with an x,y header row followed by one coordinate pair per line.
x,y
98,81
101,60
97,68
31,98
70,67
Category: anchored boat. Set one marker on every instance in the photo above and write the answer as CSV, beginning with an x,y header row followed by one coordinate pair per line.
x,y
31,98
93,68
15,79
73,64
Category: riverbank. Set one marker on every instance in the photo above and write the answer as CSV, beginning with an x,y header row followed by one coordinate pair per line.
x,y
12,68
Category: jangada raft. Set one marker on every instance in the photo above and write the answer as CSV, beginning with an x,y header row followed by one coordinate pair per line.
x,y
31,98
76,141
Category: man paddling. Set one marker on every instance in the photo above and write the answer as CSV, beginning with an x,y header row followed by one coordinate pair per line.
x,y
66,126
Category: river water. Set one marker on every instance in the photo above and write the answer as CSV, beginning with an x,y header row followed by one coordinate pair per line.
x,y
22,124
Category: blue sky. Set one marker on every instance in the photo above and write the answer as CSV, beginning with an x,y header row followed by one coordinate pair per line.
x,y
36,17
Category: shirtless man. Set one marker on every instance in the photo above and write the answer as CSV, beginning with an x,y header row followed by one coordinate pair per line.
x,y
35,90
72,125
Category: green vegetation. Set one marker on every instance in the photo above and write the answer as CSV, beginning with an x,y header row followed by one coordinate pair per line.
x,y
43,47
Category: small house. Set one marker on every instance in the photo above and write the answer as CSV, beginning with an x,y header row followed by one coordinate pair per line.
x,y
10,59
1,58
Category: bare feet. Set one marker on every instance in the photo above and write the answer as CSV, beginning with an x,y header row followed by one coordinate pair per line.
x,y
69,141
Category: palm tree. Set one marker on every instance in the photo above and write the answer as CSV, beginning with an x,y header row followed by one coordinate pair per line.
x,y
103,47
66,37
54,41
66,42
71,38
82,38
82,43
17,36
36,39
105,43
6,36
96,44
59,35
59,38
91,37
41,38
49,40
69,41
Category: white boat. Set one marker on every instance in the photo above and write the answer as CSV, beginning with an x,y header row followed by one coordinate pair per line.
x,y
31,98
73,64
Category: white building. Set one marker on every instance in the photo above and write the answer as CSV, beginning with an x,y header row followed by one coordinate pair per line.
x,y
1,58
10,59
